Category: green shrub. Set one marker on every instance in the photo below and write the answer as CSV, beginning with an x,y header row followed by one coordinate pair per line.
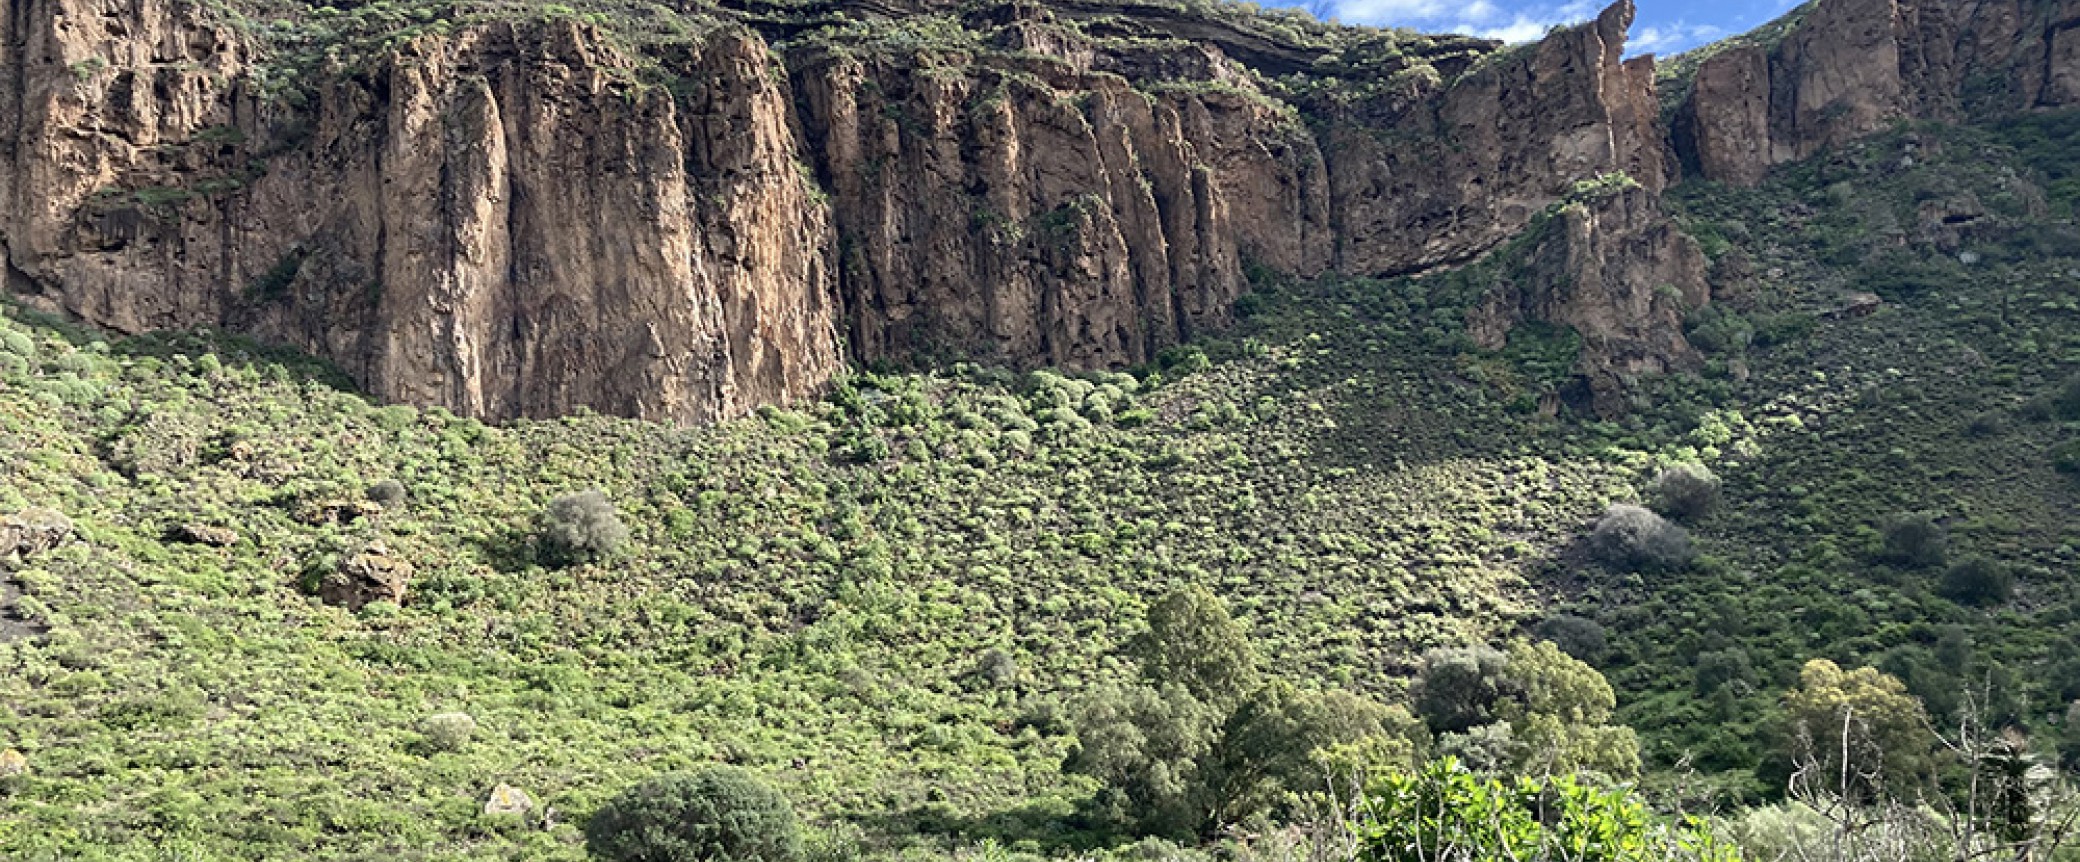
x,y
1977,581
1446,813
716,814
1579,637
2065,401
2065,457
448,731
1717,668
1635,539
388,493
1992,423
1457,687
581,527
1914,540
1685,491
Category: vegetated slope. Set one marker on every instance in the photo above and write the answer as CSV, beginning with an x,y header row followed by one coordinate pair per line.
x,y
829,595
1828,424
811,594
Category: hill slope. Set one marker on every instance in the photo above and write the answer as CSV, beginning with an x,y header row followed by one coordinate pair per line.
x,y
829,595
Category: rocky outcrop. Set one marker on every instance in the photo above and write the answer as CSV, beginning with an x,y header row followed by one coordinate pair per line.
x,y
522,219
498,222
372,575
32,531
1616,271
1846,68
1050,214
1444,178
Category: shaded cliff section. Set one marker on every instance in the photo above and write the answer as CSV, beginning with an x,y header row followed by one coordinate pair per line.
x,y
495,222
1836,70
525,217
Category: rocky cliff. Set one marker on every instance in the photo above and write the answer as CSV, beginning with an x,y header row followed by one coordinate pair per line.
x,y
1836,70
499,221
523,211
1613,268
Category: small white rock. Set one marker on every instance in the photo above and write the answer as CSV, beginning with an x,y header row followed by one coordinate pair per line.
x,y
507,799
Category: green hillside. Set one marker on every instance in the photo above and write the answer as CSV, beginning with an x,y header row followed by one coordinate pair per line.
x,y
884,601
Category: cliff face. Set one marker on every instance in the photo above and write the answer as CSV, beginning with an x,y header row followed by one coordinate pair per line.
x,y
1049,213
1846,68
494,222
518,219
1449,176
1616,271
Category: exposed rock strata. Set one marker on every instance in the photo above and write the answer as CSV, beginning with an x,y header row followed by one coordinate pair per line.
x,y
496,222
1618,272
1847,68
506,221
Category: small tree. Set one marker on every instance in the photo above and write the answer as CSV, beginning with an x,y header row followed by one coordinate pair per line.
x,y
1458,686
1193,642
717,814
1685,491
1146,746
1854,735
1915,541
1977,581
1635,539
581,527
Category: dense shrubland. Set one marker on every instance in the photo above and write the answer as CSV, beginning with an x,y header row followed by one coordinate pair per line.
x,y
1820,592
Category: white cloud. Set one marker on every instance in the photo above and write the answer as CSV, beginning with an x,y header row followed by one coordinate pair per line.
x,y
1519,29
1485,18
1514,21
1680,36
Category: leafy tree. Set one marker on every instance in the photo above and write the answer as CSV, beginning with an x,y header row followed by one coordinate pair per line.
x,y
1193,642
1192,750
1446,813
1457,687
1146,746
1269,744
1533,707
1857,734
581,527
1977,581
1633,538
1559,710
716,814
1685,491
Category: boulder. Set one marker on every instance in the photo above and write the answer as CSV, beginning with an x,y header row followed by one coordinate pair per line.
x,y
205,534
372,575
32,531
507,799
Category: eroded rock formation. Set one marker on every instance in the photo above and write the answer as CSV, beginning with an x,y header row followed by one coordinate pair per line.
x,y
520,219
500,222
1845,68
1619,273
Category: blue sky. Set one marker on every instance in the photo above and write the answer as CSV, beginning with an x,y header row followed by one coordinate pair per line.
x,y
1663,27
